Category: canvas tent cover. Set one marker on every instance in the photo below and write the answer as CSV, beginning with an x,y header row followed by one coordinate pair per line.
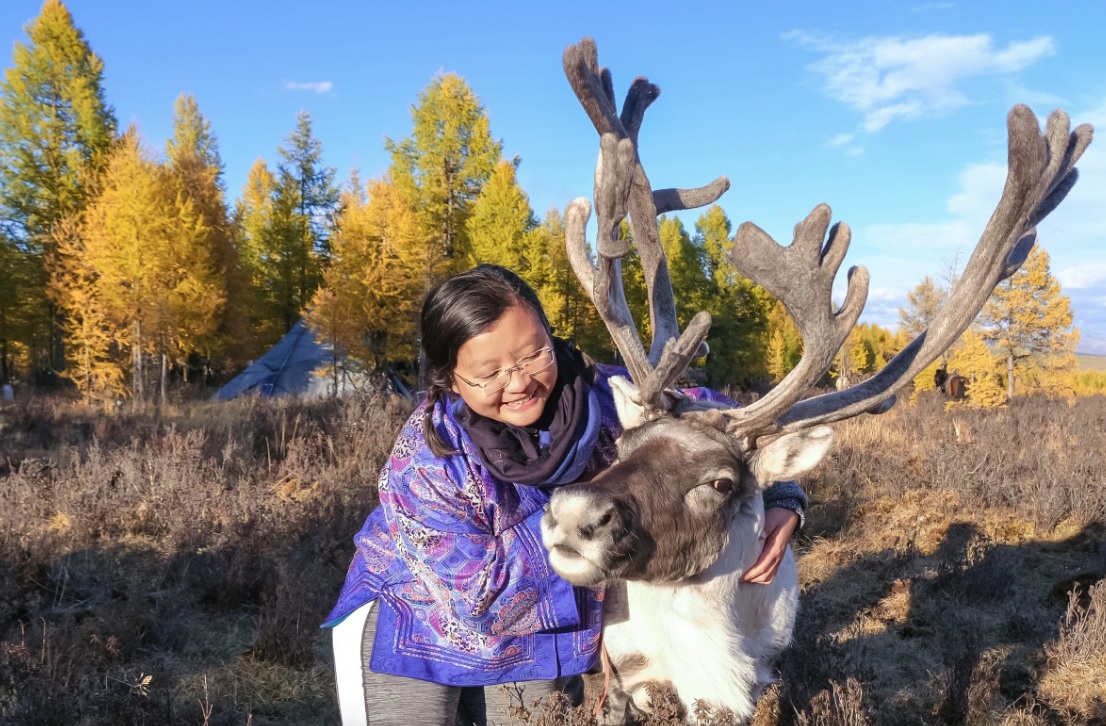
x,y
289,368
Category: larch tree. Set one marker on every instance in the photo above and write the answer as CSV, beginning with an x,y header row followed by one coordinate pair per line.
x,y
566,305
738,308
254,220
785,345
499,225
196,171
25,322
686,268
853,359
91,345
368,304
1028,323
975,361
922,305
145,246
56,130
443,166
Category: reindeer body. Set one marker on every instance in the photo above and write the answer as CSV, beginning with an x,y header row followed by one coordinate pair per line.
x,y
672,526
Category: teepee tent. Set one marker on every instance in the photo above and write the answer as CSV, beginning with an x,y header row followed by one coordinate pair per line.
x,y
298,365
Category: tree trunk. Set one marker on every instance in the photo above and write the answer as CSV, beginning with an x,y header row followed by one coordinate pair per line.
x,y
1010,376
138,389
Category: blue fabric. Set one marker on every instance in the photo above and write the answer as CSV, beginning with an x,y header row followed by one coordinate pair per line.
x,y
574,463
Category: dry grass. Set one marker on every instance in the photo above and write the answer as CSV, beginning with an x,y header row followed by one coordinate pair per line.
x,y
175,570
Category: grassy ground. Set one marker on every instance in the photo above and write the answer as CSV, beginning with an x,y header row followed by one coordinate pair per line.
x,y
1092,362
176,570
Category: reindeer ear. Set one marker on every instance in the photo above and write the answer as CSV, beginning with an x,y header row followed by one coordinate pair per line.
x,y
631,412
789,456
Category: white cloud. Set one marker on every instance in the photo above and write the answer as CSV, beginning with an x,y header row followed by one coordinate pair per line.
x,y
312,86
980,189
846,143
1083,277
895,78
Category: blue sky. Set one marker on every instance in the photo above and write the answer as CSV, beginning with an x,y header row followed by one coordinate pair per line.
x,y
893,113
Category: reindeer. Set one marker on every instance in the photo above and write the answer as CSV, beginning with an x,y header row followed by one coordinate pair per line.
x,y
675,522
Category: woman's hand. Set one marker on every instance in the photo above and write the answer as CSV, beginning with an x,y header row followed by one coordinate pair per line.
x,y
779,525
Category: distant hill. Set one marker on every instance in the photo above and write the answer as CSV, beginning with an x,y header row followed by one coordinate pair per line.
x,y
1092,362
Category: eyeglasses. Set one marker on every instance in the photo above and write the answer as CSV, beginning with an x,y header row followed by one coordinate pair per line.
x,y
531,365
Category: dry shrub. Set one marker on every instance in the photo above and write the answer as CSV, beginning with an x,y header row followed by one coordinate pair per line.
x,y
837,706
203,547
206,544
1075,680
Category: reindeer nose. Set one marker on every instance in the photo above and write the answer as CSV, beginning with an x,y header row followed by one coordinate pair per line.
x,y
604,520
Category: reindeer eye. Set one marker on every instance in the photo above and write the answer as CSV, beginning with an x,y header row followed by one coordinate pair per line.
x,y
723,486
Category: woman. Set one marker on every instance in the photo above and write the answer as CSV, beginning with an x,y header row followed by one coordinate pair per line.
x,y
450,589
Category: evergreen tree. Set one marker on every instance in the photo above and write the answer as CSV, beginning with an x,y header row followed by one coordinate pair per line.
x,y
1029,324
305,202
56,130
443,166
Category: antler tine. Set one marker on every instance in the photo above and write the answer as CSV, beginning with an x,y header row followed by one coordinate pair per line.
x,y
801,277
621,189
676,200
1041,173
592,85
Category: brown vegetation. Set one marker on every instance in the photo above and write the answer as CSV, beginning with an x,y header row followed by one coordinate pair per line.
x,y
176,570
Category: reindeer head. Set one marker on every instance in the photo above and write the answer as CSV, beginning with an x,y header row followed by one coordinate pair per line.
x,y
662,512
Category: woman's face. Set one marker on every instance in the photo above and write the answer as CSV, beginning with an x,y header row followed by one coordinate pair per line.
x,y
516,334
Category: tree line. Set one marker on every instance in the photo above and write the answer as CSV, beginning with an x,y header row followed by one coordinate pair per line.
x,y
122,269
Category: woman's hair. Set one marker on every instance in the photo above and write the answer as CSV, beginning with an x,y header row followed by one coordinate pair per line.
x,y
456,311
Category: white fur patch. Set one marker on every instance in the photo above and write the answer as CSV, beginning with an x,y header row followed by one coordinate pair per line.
x,y
630,411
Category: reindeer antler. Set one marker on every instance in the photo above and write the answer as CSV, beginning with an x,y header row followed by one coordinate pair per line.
x,y
621,188
1041,173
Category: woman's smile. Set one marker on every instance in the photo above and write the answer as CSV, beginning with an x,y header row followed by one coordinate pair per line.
x,y
517,334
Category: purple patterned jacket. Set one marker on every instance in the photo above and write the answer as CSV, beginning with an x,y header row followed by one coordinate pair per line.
x,y
454,556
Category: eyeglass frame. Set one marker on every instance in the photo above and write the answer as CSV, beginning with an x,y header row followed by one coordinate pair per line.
x,y
511,370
